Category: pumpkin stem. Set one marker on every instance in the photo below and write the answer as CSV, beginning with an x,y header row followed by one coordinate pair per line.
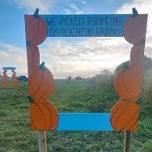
x,y
135,12
36,13
30,99
41,66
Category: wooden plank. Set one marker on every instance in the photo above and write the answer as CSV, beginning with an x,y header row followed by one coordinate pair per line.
x,y
127,141
88,25
42,141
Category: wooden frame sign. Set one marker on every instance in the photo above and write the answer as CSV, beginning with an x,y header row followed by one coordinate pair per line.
x,y
124,114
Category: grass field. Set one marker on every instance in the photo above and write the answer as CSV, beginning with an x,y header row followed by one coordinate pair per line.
x,y
80,96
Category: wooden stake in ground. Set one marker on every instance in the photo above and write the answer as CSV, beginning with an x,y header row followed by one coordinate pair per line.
x,y
127,141
42,141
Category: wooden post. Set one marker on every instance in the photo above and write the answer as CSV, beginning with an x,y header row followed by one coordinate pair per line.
x,y
127,141
42,141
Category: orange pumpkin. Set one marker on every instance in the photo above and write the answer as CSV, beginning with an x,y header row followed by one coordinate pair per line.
x,y
36,29
41,84
33,57
128,82
14,80
137,55
135,29
5,80
44,116
124,116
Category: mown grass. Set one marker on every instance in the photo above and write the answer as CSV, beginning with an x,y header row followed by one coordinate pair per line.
x,y
80,96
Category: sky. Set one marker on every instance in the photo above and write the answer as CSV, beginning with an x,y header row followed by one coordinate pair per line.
x,y
67,56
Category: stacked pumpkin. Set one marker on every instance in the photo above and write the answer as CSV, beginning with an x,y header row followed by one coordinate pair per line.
x,y
124,114
44,115
5,80
14,79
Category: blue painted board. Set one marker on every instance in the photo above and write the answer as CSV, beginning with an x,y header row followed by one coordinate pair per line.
x,y
95,25
84,122
9,68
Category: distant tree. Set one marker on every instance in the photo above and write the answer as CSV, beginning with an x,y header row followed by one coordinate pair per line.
x,y
148,63
78,78
124,65
69,79
106,72
104,79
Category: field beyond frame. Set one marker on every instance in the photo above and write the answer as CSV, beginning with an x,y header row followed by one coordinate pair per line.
x,y
75,96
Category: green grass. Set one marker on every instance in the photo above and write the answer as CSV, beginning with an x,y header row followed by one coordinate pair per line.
x,y
80,96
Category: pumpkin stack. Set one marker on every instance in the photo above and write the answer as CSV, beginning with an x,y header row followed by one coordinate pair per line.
x,y
127,82
5,80
44,115
14,80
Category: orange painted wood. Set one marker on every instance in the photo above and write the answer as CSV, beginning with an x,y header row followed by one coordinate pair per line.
x,y
41,84
124,116
44,116
137,55
14,80
33,58
128,82
36,29
135,29
5,80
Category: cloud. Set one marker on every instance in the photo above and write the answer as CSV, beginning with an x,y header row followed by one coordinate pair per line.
x,y
90,56
83,2
76,7
31,5
145,8
85,57
11,55
73,8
